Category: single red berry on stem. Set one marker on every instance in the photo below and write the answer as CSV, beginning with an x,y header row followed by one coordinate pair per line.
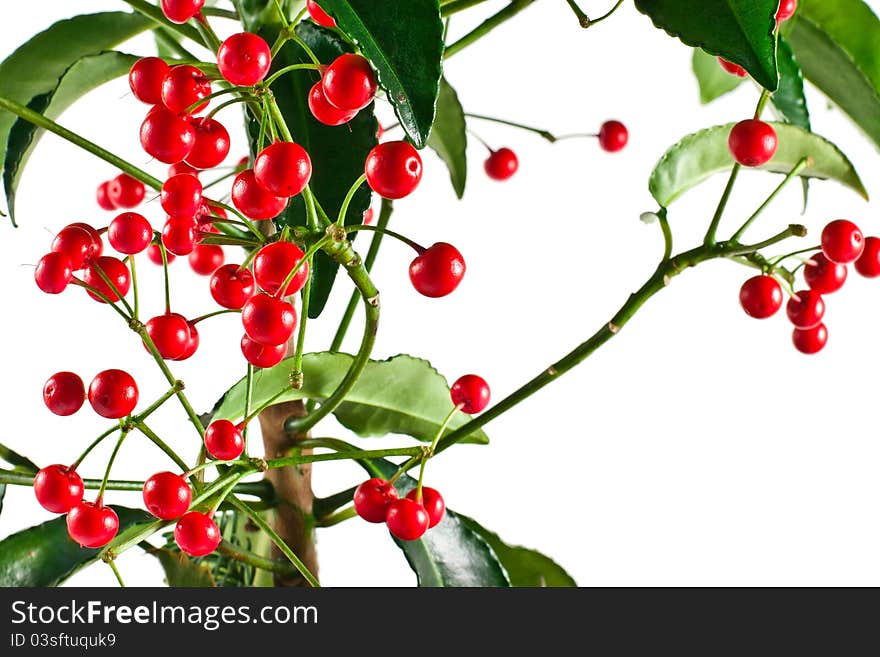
x,y
811,340
145,79
349,82
53,273
223,440
179,168
842,241
154,253
129,233
372,499
752,142
211,144
268,320
323,111
179,235
407,519
170,333
244,59
206,258
868,264
125,191
92,525
113,394
433,502
262,355
80,243
786,10
393,169
180,11
437,271
231,286
733,69
806,309
58,488
64,393
167,495
183,87
166,136
196,534
181,196
501,164
115,271
471,393
252,200
613,136
102,196
761,297
318,15
274,262
824,276
283,169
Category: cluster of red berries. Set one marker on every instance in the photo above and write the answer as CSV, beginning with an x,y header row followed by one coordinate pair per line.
x,y
168,496
376,500
112,393
786,10
123,191
824,273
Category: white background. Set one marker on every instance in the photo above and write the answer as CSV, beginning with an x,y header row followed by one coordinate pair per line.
x,y
698,448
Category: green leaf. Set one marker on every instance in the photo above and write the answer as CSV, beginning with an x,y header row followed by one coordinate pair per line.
x,y
402,395
85,74
713,80
789,98
44,555
404,42
702,154
35,67
16,460
740,31
836,45
180,570
258,14
2,495
450,554
337,153
449,137
525,567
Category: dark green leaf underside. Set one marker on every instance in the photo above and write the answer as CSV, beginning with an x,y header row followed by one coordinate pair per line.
x,y
449,137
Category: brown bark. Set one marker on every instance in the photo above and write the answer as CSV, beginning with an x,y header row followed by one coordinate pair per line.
x,y
293,486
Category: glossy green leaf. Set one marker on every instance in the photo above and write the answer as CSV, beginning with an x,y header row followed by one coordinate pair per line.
x,y
402,395
35,67
740,31
789,99
180,570
449,137
16,460
258,14
702,154
337,153
44,555
404,41
836,45
713,80
85,74
525,567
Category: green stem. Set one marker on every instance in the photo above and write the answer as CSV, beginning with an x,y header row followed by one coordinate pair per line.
x,y
287,69
103,297
281,15
112,564
281,568
134,286
213,113
248,397
103,275
152,408
97,441
223,92
269,402
301,334
307,256
225,493
161,444
119,442
278,117
546,134
794,230
711,234
343,210
762,103
221,13
667,233
202,318
167,285
449,8
811,250
800,166
432,448
583,19
338,517
210,38
346,455
604,16
418,248
487,26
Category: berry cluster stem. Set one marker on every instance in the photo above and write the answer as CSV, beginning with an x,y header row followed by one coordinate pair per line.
x,y
796,170
487,26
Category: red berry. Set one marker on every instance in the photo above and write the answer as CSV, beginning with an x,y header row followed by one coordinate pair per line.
x,y
170,333
613,136
323,111
786,10
53,273
192,342
842,241
372,499
805,309
183,87
319,15
145,79
393,169
501,164
761,297
125,191
58,488
181,196
283,169
179,235
437,271
232,286
167,495
349,82
102,196
211,144
92,525
752,142
113,394
196,534
824,276
407,519
244,59
79,243
179,168
368,216
115,271
433,502
268,320
223,440
64,393
97,246
868,264
180,11
274,262
810,341
252,200
154,253
733,69
262,355
130,233
206,258
471,392
166,136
